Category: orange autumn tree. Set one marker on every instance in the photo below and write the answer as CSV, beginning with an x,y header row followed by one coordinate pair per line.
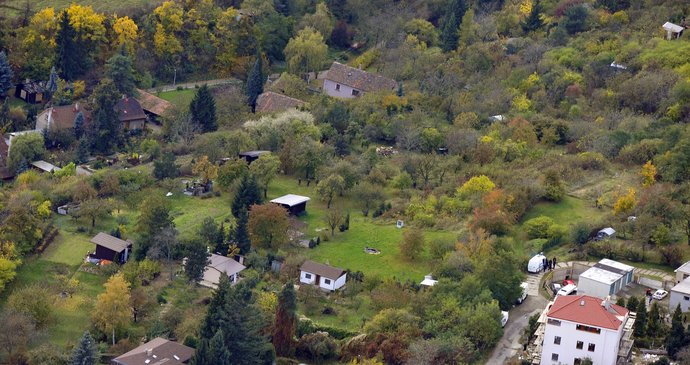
x,y
493,214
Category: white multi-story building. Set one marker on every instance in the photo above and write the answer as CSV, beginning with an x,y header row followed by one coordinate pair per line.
x,y
580,326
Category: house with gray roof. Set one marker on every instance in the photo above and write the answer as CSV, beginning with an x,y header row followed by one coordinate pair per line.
x,y
158,351
343,81
220,265
111,248
324,276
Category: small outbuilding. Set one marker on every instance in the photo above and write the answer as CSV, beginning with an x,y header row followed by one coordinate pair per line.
x,y
295,204
153,106
271,102
251,156
428,281
605,233
156,352
221,265
324,276
44,166
111,248
683,272
607,277
680,295
673,31
32,92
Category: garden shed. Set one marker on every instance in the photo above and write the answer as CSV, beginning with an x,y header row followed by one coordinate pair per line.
x,y
31,92
323,276
673,31
111,248
295,204
251,156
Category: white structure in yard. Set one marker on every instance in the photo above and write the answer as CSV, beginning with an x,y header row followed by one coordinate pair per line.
x,y
343,81
605,278
680,293
428,281
580,326
673,31
536,263
324,276
220,265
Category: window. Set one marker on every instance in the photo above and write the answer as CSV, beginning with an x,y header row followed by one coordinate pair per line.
x,y
554,322
577,362
355,92
327,281
685,297
308,276
337,87
557,340
590,348
579,345
554,357
581,327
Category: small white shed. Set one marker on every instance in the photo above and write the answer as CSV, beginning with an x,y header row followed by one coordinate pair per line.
x,y
673,31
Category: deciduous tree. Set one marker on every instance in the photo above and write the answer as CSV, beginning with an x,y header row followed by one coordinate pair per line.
x,y
268,225
265,169
329,187
206,170
413,244
112,310
334,218
648,174
306,52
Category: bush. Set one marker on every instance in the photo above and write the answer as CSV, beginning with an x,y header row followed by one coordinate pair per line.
x,y
307,326
538,227
318,346
580,233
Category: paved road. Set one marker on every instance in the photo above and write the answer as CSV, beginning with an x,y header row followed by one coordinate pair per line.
x,y
509,344
190,85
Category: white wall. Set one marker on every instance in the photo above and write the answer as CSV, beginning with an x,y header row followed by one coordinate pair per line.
x,y
592,288
329,87
678,298
303,277
606,345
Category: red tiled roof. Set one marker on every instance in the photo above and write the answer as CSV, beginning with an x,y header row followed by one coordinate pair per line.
x,y
153,104
63,116
274,102
587,310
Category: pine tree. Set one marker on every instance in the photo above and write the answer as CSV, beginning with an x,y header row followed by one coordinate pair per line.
x,y
203,109
241,236
255,83
449,33
165,167
6,74
248,194
654,321
641,320
79,125
285,322
199,357
218,354
105,131
676,338
197,259
68,54
533,20
120,70
401,91
52,81
86,352
632,304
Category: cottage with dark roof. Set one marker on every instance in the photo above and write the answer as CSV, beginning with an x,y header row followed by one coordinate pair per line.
x,y
60,117
111,248
153,106
270,102
130,113
343,81
158,351
324,276
32,92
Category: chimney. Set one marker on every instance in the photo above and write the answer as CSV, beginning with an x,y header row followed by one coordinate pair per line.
x,y
582,303
606,303
149,352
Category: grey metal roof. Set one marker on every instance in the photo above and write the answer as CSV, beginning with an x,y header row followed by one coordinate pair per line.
x,y
110,242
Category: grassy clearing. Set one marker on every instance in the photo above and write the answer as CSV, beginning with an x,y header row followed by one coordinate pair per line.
x,y
568,211
108,6
181,98
190,211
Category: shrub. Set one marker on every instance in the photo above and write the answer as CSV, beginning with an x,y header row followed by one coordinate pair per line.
x,y
538,227
318,346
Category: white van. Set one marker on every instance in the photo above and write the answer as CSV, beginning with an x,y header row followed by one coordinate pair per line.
x,y
525,287
504,318
567,290
536,263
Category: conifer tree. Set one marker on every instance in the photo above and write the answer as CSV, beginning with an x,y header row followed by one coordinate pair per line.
x,y
203,109
653,321
533,20
197,259
105,131
68,54
218,354
79,125
120,69
451,24
6,74
199,357
285,322
676,338
641,320
86,352
255,83
248,194
241,236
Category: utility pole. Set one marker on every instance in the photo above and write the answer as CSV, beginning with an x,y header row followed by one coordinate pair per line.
x,y
174,76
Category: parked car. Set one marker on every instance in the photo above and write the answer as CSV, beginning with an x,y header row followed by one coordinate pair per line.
x,y
568,290
568,282
660,294
555,287
525,288
504,318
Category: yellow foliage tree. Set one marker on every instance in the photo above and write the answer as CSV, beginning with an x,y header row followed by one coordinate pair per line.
x,y
205,169
648,174
477,184
525,8
225,40
88,23
626,203
126,31
170,20
112,311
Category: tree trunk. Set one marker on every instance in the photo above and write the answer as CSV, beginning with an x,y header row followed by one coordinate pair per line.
x,y
93,222
265,193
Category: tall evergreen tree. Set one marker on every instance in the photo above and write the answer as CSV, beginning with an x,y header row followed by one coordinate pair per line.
x,y
241,236
533,20
285,322
632,304
165,167
79,125
119,68
653,321
197,259
248,194
676,338
200,354
449,32
255,83
105,132
640,328
6,74
203,109
218,354
68,53
86,352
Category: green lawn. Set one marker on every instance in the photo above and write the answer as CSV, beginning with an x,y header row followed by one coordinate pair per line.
x,y
190,211
181,98
107,6
346,249
567,212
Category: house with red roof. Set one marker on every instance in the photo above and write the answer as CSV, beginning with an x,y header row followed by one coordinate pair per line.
x,y
579,327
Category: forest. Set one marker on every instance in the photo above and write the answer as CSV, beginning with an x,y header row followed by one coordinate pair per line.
x,y
515,127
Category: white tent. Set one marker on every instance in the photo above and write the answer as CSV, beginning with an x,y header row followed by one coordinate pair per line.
x,y
536,263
